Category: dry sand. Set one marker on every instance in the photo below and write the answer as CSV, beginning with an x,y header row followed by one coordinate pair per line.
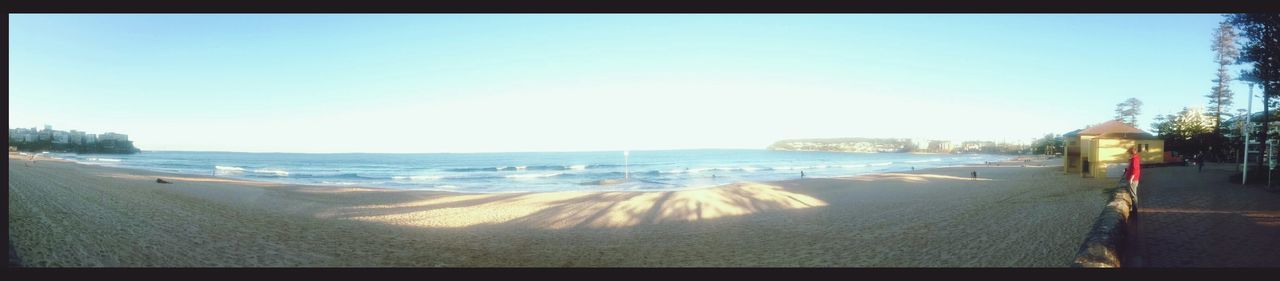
x,y
68,214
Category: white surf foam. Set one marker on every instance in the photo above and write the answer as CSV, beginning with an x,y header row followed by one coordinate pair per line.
x,y
228,168
417,178
276,172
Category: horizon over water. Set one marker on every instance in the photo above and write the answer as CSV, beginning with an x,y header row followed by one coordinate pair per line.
x,y
492,172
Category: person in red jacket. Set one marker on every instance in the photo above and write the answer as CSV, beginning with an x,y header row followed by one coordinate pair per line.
x,y
1135,173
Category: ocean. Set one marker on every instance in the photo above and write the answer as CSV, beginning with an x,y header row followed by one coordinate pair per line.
x,y
529,171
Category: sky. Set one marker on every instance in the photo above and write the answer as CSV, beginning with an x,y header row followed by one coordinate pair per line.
x,y
576,82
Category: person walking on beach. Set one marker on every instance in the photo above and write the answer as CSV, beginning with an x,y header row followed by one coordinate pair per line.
x,y
975,174
802,174
1134,175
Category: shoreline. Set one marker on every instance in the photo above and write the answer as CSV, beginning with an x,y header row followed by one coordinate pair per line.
x,y
1011,160
70,214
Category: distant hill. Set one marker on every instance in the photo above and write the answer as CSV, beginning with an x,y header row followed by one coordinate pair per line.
x,y
844,145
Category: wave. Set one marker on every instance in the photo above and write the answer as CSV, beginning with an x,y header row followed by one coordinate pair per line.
x,y
526,176
573,167
416,178
923,161
281,173
692,171
354,176
881,164
517,168
104,159
228,168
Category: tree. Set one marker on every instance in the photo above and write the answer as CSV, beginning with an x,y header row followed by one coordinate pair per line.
x,y
1187,131
1224,46
1128,111
1162,126
1049,144
1261,49
1190,122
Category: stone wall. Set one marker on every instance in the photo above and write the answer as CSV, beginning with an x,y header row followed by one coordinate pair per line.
x,y
1101,248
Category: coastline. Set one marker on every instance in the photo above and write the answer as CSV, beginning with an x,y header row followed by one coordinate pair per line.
x,y
927,217
567,177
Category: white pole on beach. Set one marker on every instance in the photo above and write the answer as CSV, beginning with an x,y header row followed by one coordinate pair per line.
x,y
1244,176
626,165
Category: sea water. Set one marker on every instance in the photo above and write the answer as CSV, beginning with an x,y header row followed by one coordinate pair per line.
x,y
530,171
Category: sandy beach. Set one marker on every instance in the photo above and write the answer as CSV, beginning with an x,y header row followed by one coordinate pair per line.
x,y
1017,214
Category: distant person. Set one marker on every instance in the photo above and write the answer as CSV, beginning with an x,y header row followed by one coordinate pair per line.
x,y
1200,163
974,174
802,174
1135,174
913,168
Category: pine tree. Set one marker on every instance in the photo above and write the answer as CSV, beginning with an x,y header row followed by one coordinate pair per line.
x,y
1128,111
1224,46
1260,32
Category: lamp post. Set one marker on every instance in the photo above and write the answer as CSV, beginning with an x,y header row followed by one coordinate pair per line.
x,y
1244,130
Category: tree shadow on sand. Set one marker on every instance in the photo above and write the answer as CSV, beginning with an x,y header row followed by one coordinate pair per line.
x,y
558,210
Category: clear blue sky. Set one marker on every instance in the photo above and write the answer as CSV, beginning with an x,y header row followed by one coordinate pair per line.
x,y
467,83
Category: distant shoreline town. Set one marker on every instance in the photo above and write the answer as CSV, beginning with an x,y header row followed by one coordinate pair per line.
x,y
892,145
48,139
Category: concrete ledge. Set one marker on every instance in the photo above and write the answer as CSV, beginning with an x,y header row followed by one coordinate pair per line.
x,y
1102,246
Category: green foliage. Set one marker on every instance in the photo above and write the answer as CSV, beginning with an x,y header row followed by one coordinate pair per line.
x,y
1259,32
1128,111
845,145
1049,144
1258,48
1187,132
105,146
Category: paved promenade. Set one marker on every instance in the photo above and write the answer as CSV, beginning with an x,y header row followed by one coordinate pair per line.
x,y
1198,219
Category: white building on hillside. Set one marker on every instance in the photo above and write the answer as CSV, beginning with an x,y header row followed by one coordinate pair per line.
x,y
113,136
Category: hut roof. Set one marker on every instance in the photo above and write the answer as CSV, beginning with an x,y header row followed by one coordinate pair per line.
x,y
1072,133
1116,129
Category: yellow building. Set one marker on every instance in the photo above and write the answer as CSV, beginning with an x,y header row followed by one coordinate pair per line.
x,y
1102,150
